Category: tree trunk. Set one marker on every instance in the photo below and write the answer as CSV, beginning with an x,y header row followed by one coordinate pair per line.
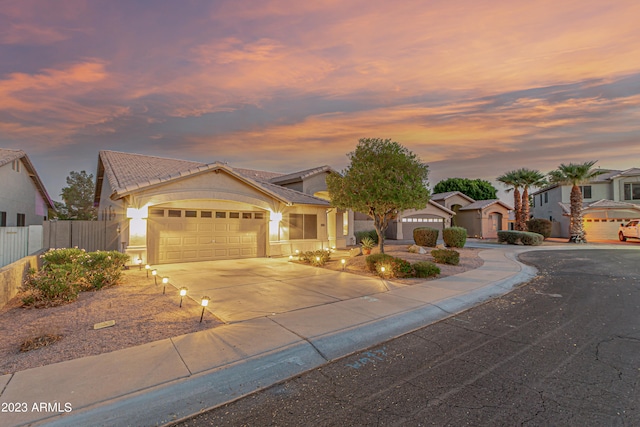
x,y
524,207
577,234
380,225
517,207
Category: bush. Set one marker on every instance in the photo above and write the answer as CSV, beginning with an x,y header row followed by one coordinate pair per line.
x,y
541,226
67,272
446,256
425,269
425,236
319,257
373,260
520,237
454,237
401,268
367,233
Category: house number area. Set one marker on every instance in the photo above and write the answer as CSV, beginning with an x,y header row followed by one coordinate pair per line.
x,y
57,407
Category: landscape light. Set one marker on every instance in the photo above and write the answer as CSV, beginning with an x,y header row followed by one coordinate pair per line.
x,y
344,262
204,302
183,292
154,273
147,267
139,262
165,280
290,257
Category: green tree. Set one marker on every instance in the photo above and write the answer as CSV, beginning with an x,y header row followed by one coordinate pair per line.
x,y
477,189
528,178
77,197
512,180
574,175
383,179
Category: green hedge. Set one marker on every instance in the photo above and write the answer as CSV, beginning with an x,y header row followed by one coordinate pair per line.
x,y
446,256
394,267
425,269
541,226
425,236
373,260
455,237
520,237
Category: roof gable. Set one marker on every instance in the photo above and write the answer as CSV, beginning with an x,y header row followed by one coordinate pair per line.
x,y
301,175
444,196
7,156
483,204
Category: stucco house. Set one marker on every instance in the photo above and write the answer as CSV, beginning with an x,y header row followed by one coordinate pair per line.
x,y
608,200
482,218
24,200
172,210
434,215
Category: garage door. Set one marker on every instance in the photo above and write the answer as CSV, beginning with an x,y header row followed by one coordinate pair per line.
x,y
602,229
187,235
411,223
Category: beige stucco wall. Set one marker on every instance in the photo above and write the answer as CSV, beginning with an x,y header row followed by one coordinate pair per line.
x,y
12,276
18,194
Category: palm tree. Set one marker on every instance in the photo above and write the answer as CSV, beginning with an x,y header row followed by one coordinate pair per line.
x,y
512,180
528,178
574,175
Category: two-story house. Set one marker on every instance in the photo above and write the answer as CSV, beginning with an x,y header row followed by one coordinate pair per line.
x,y
608,200
24,200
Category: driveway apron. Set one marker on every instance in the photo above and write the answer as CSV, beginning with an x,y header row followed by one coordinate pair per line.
x,y
250,288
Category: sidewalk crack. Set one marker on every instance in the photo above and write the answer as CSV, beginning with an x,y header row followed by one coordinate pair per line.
x,y
7,384
324,356
180,356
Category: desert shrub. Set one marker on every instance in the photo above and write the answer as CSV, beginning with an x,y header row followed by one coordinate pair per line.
x,y
373,260
366,233
401,268
61,256
57,285
446,256
367,243
454,237
541,226
425,236
425,269
319,257
531,239
513,237
67,272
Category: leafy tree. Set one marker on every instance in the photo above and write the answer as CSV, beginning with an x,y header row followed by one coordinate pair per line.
x,y
383,179
574,175
477,189
77,197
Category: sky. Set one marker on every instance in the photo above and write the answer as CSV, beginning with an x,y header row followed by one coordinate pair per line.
x,y
474,87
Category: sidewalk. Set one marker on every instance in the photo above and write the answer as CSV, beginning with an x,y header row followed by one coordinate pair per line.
x,y
163,381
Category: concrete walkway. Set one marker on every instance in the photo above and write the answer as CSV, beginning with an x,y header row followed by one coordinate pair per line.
x,y
160,382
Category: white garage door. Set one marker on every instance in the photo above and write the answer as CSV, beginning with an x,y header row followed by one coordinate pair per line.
x,y
602,229
411,223
186,235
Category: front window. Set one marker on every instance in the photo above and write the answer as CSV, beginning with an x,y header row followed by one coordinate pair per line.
x,y
21,222
632,191
586,191
303,226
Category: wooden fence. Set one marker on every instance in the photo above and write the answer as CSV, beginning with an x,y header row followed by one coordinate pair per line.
x,y
88,235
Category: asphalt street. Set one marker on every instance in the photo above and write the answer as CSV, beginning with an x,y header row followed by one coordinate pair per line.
x,y
561,350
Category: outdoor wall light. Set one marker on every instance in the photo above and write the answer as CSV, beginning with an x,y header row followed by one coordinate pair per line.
x,y
165,280
147,267
154,273
204,303
139,262
183,292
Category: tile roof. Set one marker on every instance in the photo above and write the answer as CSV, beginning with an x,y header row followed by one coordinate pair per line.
x,y
443,196
481,204
128,172
8,156
296,176
600,204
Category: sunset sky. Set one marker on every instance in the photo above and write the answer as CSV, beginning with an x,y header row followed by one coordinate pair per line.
x,y
474,87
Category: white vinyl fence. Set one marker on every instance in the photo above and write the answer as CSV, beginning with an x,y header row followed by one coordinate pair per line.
x,y
18,242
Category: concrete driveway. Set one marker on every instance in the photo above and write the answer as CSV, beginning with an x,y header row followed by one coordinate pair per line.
x,y
248,288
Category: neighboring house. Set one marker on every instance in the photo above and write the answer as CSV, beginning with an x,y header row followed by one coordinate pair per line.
x,y
433,215
482,219
24,200
179,211
608,200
